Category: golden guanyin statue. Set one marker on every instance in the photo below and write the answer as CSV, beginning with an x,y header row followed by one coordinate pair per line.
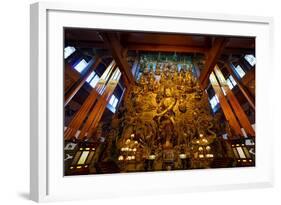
x,y
166,119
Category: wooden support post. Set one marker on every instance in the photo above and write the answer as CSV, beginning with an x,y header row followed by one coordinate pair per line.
x,y
211,61
229,115
77,121
117,51
240,114
70,76
97,112
74,89
241,86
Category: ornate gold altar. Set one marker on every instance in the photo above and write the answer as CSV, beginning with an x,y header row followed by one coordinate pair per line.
x,y
165,123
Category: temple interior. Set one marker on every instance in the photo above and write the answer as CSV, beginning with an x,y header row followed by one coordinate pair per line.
x,y
148,101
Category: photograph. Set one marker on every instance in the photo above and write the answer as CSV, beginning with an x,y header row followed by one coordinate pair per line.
x,y
139,101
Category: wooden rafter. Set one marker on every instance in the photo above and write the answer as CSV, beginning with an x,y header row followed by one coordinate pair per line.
x,y
163,48
228,113
236,107
241,85
74,89
167,48
212,58
112,42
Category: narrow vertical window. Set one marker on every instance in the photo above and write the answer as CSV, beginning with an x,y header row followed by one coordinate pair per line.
x,y
113,101
81,65
88,80
250,59
214,102
240,71
95,81
68,51
231,82
83,157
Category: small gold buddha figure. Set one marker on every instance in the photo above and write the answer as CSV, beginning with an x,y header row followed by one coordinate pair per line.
x,y
157,70
146,69
199,92
143,83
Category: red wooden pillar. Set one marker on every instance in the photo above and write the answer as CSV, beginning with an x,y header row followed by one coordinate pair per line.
x,y
238,110
77,122
72,92
229,115
97,112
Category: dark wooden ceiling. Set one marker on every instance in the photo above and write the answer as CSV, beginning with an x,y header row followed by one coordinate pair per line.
x,y
159,42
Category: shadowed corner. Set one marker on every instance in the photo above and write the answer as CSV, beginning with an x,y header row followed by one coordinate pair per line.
x,y
24,195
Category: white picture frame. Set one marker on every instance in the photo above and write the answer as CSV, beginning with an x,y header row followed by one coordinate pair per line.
x,y
47,182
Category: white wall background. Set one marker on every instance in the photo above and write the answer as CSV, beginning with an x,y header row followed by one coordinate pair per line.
x,y
14,101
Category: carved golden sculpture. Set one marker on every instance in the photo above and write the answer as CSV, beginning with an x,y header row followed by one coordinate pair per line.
x,y
166,121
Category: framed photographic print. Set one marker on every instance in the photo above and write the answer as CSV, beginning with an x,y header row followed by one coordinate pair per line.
x,y
127,102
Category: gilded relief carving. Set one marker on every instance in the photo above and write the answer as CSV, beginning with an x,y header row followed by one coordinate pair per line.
x,y
166,121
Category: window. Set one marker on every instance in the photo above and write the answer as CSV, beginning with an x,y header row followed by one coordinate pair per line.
x,y
214,102
93,79
116,75
241,153
83,157
81,65
250,59
113,101
240,71
231,82
68,51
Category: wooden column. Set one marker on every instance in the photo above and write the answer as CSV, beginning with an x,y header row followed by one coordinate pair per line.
x,y
97,112
117,51
211,61
240,114
229,115
71,75
74,89
77,122
241,86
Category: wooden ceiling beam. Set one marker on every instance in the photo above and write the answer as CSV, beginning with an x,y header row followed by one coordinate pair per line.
x,y
117,51
86,44
167,48
212,58
238,51
163,48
